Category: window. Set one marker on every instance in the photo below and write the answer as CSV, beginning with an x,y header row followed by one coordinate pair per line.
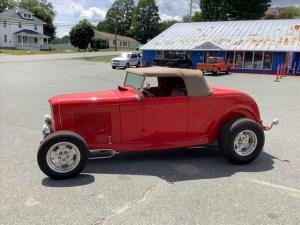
x,y
35,40
239,56
5,38
120,43
20,25
29,16
124,43
25,15
114,42
229,57
35,27
248,60
257,62
267,62
160,54
4,24
19,39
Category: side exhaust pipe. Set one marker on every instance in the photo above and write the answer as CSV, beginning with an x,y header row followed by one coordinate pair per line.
x,y
275,122
102,154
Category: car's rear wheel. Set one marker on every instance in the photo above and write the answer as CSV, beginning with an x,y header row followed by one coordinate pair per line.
x,y
241,141
62,155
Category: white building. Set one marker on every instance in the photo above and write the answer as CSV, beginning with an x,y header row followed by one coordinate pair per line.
x,y
122,41
20,29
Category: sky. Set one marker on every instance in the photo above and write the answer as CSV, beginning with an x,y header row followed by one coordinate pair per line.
x,y
69,12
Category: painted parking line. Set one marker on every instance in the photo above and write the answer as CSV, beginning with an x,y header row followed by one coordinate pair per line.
x,y
289,189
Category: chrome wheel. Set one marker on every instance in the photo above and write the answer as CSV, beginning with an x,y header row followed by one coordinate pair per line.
x,y
245,142
63,157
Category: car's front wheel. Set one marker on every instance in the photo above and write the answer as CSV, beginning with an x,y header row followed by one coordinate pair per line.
x,y
62,155
241,141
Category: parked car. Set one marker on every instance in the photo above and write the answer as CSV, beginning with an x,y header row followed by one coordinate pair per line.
x,y
126,60
215,65
176,60
178,110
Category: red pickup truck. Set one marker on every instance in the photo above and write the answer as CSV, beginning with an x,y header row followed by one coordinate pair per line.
x,y
214,65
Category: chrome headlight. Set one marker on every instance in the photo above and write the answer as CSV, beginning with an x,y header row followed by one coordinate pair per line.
x,y
48,126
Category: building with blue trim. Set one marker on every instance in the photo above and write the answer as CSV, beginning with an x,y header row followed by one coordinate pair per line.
x,y
255,46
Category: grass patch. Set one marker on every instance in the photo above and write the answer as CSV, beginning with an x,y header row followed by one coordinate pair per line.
x,y
35,52
98,59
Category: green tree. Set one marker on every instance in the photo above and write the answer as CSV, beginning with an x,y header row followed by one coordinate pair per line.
x,y
233,9
249,10
163,25
290,13
81,34
104,26
7,4
197,17
145,22
119,15
214,10
43,10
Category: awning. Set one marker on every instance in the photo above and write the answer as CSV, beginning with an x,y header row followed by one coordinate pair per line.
x,y
31,33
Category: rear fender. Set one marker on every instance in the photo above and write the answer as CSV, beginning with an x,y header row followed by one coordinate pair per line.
x,y
232,115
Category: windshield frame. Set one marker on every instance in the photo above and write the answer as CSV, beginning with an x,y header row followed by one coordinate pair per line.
x,y
136,88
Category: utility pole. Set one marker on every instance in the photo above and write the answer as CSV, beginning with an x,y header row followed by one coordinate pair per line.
x,y
191,9
116,27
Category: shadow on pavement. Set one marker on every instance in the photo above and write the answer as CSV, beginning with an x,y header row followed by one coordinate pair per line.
x,y
177,165
82,179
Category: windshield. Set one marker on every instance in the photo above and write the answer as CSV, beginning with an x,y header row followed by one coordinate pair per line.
x,y
134,80
125,55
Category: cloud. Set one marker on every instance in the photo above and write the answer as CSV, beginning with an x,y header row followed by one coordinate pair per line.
x,y
93,14
165,17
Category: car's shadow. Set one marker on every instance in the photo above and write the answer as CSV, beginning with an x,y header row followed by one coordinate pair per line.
x,y
172,166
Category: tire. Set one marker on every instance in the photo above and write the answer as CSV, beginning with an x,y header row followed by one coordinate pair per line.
x,y
63,147
113,67
239,151
138,65
218,71
127,65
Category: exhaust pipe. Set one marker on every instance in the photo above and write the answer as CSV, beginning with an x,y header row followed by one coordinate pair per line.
x,y
102,154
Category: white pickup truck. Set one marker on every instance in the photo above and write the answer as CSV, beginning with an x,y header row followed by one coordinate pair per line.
x,y
126,60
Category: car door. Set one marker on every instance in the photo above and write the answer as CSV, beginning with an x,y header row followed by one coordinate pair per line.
x,y
164,119
133,59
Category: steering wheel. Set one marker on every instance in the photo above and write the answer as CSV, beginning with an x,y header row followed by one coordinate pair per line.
x,y
149,93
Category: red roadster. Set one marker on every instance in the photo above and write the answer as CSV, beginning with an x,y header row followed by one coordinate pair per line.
x,y
156,108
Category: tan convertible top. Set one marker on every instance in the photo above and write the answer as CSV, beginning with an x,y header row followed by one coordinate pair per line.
x,y
194,80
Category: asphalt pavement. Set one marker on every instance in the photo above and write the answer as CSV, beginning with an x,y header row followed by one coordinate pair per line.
x,y
171,187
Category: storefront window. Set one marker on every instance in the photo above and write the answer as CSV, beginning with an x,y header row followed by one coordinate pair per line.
x,y
160,54
239,56
229,57
257,63
248,60
267,64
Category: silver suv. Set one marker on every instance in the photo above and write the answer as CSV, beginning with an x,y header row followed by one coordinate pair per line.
x,y
126,60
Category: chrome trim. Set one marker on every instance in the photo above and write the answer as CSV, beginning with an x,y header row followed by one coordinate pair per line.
x,y
275,122
48,126
95,154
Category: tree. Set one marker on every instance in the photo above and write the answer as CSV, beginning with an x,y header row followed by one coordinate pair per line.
x,y
81,34
233,9
7,4
43,10
120,14
163,25
214,10
197,17
250,10
145,22
290,13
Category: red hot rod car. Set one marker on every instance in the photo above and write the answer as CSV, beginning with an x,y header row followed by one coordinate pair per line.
x,y
156,108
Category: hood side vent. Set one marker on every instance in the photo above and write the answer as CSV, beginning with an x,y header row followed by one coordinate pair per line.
x,y
93,124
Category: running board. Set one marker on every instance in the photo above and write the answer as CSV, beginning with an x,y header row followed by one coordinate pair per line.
x,y
102,154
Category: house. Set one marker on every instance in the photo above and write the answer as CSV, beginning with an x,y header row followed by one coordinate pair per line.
x,y
122,41
255,46
20,29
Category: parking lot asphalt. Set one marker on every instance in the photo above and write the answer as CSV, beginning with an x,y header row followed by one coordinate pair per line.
x,y
171,187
